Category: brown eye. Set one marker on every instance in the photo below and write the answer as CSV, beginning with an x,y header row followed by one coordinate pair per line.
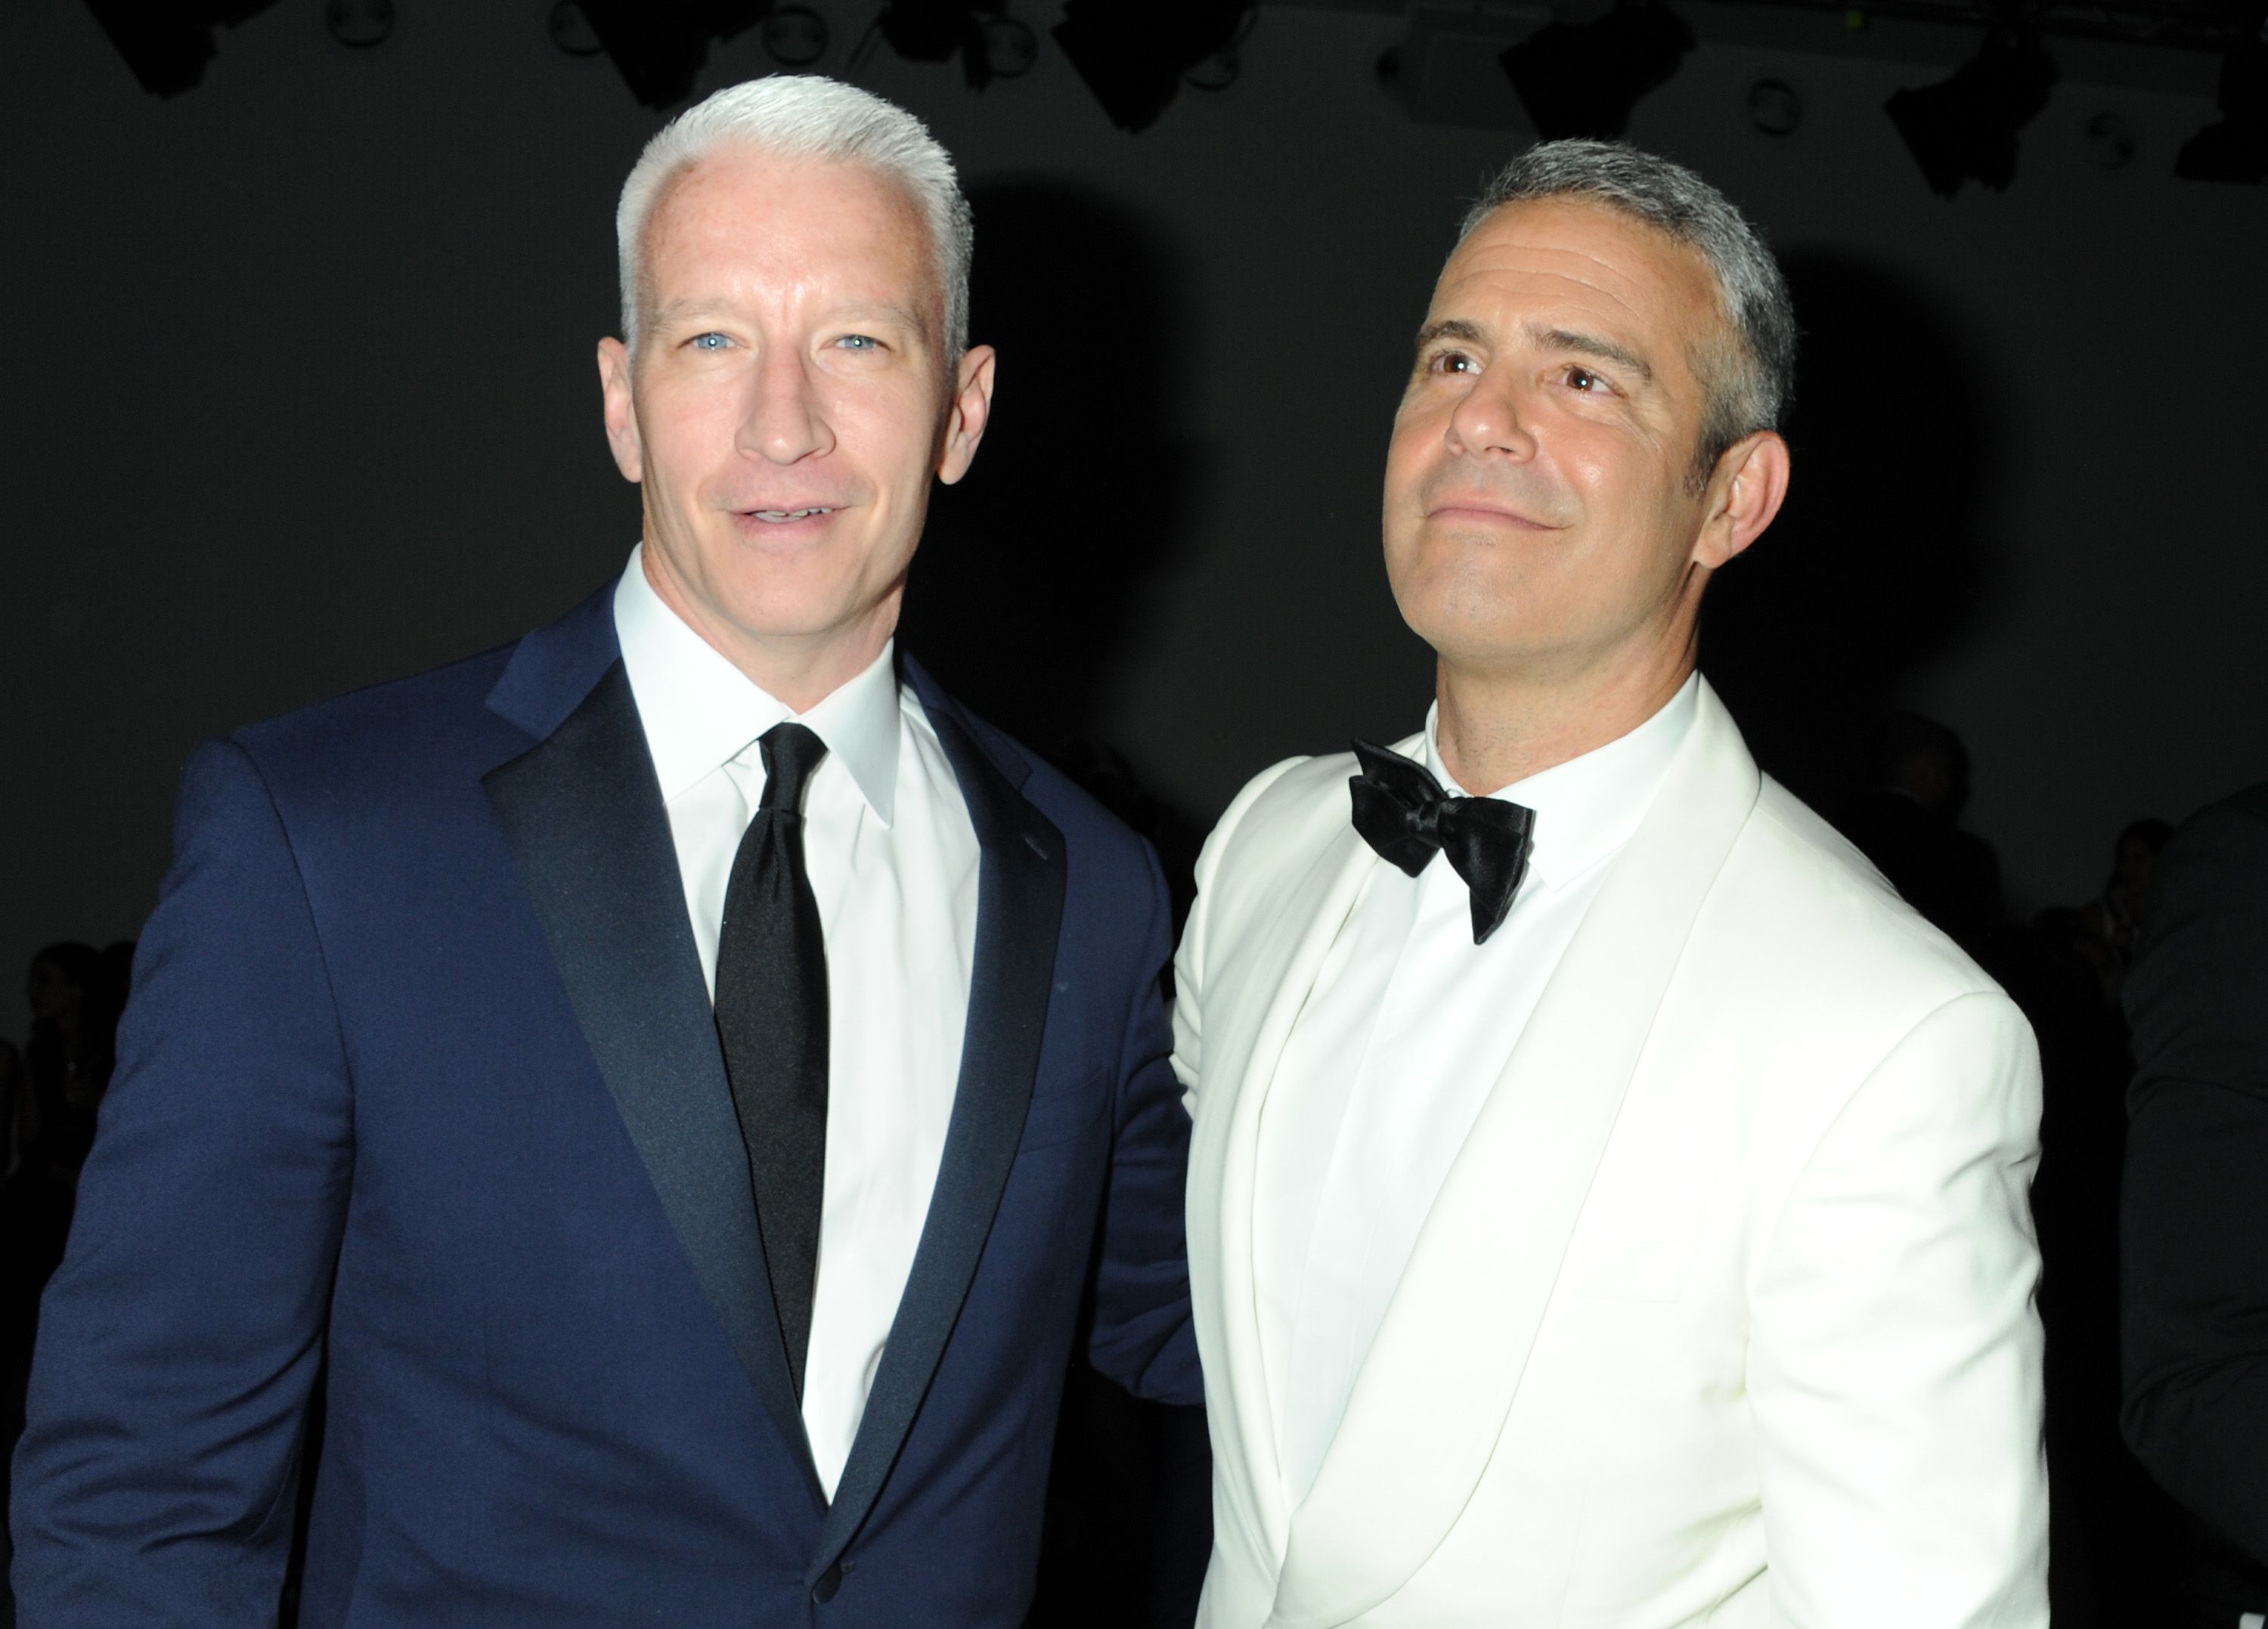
x,y
1583,379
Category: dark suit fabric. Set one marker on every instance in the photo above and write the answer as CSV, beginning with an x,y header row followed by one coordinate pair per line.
x,y
419,1086
2195,1206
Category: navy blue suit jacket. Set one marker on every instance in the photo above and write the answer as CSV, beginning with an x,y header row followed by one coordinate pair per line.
x,y
420,1087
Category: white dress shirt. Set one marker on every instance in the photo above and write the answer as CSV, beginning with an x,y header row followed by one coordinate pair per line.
x,y
891,857
1408,1026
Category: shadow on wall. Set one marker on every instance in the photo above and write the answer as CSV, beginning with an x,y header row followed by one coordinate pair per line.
x,y
1028,592
1878,565
1027,589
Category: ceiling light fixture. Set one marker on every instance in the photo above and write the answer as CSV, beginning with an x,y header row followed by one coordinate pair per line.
x,y
1585,79
658,50
1964,127
168,46
2236,148
1135,55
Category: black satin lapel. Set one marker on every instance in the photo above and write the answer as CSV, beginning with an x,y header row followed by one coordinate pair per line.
x,y
584,819
1019,893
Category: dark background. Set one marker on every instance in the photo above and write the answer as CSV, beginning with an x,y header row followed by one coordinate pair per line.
x,y
304,398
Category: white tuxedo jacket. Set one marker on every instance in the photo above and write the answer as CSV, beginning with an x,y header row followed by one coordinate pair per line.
x,y
1724,1313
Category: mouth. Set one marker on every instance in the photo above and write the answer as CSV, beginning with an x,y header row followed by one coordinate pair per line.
x,y
784,517
1468,513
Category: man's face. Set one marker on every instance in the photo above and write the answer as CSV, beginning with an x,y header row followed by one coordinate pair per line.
x,y
1539,518
789,402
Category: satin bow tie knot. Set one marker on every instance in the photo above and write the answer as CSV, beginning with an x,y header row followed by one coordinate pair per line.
x,y
1402,812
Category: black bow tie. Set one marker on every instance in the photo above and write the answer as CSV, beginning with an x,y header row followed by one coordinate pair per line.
x,y
1402,813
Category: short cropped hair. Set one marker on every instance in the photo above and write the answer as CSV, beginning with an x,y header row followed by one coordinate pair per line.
x,y
1747,389
806,116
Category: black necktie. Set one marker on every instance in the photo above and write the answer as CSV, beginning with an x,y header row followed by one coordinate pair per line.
x,y
1402,813
771,1017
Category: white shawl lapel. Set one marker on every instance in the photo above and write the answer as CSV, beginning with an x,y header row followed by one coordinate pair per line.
x,y
1432,1396
1267,975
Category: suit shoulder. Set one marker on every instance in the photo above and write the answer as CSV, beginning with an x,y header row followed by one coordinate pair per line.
x,y
379,733
1817,899
1288,793
1091,826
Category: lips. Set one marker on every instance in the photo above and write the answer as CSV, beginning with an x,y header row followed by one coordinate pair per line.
x,y
1481,509
781,517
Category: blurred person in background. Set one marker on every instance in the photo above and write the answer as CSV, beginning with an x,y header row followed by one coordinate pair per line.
x,y
51,1094
1908,822
2194,1210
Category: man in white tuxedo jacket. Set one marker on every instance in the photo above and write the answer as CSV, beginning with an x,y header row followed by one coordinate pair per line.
x,y
1607,1200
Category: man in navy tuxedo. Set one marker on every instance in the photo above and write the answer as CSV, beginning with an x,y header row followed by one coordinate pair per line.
x,y
676,1078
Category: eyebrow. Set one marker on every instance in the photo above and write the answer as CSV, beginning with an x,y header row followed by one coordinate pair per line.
x,y
1450,328
679,310
1547,339
698,308
1591,346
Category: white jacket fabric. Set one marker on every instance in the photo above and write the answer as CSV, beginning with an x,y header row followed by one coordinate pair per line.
x,y
1723,1314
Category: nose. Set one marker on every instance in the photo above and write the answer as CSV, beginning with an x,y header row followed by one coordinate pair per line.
x,y
1491,420
785,421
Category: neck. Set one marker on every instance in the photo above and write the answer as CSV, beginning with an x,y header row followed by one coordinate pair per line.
x,y
798,670
1496,727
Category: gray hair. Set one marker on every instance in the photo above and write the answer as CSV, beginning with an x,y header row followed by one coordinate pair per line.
x,y
806,116
1747,388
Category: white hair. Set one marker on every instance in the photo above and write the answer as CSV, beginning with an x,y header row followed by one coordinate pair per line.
x,y
806,116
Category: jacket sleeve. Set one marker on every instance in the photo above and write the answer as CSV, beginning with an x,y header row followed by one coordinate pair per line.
x,y
2193,1218
1894,1363
178,1340
1189,958
1142,1336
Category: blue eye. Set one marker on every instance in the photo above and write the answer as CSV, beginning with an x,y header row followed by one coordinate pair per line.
x,y
857,342
710,342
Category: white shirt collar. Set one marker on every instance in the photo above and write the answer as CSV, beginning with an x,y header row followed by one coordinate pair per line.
x,y
1587,807
700,711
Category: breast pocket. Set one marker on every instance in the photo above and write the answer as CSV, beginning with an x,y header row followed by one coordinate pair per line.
x,y
1058,1115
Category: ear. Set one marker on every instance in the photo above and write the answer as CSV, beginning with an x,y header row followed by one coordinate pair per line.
x,y
970,411
621,407
1745,492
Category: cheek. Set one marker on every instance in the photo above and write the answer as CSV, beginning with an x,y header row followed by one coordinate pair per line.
x,y
686,438
890,437
1414,446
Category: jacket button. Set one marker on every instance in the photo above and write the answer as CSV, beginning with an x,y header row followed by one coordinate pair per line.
x,y
829,1581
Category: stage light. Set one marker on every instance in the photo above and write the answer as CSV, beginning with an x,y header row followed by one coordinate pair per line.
x,y
658,50
360,24
570,30
1774,107
1584,79
168,46
1010,48
931,31
2236,148
992,45
1964,127
795,36
1135,54
2110,140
